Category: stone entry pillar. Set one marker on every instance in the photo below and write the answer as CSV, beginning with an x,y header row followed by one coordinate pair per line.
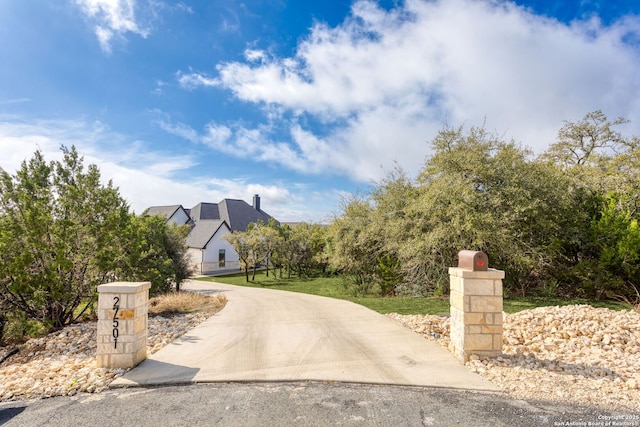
x,y
476,312
122,324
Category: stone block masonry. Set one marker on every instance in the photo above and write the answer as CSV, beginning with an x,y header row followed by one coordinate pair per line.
x,y
476,312
122,324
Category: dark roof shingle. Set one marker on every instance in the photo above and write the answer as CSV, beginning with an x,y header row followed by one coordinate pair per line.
x,y
202,232
164,211
204,211
239,214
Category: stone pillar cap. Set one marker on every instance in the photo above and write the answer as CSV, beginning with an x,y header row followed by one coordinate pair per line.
x,y
124,287
491,273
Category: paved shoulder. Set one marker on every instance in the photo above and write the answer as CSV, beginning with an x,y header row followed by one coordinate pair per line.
x,y
296,404
269,335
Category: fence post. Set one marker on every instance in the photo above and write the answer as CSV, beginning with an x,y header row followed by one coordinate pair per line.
x,y
476,312
122,324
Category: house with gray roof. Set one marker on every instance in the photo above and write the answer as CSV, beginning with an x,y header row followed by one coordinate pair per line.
x,y
238,214
209,223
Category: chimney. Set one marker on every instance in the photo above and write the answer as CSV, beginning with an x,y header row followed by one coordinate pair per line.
x,y
256,202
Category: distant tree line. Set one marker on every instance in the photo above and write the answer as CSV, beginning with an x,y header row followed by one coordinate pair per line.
x,y
63,233
281,249
562,223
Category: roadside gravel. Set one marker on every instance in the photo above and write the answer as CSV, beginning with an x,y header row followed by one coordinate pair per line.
x,y
64,363
573,354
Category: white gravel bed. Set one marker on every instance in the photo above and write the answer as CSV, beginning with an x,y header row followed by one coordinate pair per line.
x,y
576,354
64,363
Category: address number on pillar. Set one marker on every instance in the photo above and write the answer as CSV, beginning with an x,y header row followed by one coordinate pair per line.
x,y
116,331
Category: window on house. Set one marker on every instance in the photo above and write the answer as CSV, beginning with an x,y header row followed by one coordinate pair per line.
x,y
221,258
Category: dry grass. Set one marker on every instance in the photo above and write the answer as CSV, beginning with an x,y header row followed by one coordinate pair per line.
x,y
186,302
635,302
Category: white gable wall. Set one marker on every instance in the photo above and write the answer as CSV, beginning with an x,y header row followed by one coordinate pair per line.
x,y
210,253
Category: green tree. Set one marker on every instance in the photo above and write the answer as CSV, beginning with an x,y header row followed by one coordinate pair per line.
x,y
156,252
59,225
259,248
476,192
621,175
566,222
272,241
281,250
355,245
392,197
307,244
63,233
582,142
241,244
480,192
605,166
4,311
175,242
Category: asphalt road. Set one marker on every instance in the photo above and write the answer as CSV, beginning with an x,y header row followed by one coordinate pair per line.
x,y
297,404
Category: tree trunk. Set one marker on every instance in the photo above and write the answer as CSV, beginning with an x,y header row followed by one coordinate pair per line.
x,y
3,322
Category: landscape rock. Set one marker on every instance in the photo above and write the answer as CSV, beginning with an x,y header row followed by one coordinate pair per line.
x,y
574,353
64,363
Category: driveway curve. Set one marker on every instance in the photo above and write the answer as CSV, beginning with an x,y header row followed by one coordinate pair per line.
x,y
271,335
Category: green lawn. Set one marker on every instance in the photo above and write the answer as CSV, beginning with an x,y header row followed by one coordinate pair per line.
x,y
333,287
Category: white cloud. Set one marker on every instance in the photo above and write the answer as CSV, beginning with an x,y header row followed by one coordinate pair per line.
x,y
14,101
217,136
179,129
146,177
183,7
382,83
236,140
229,21
195,80
254,55
159,89
112,18
95,141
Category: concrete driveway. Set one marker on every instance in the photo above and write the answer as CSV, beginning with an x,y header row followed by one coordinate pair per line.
x,y
270,335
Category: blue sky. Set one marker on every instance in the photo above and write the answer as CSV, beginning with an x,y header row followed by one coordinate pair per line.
x,y
302,102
